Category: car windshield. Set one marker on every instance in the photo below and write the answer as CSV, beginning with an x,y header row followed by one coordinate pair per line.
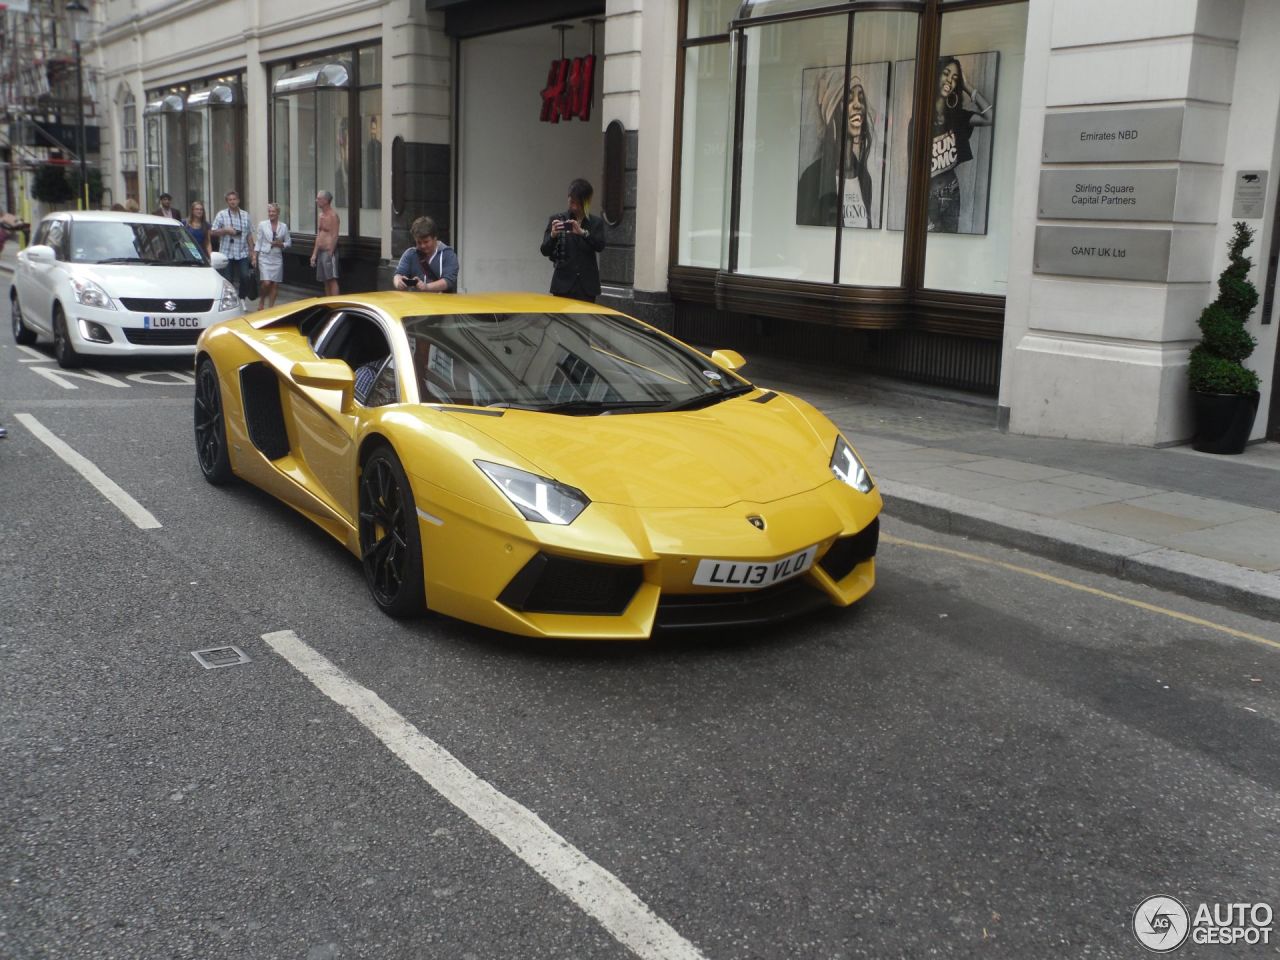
x,y
119,241
583,364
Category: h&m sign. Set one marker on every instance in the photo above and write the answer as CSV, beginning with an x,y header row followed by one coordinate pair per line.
x,y
568,90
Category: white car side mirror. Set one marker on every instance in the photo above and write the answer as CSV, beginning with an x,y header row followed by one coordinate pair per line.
x,y
217,260
42,254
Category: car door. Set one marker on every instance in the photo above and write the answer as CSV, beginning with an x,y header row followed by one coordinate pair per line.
x,y
53,279
327,424
31,282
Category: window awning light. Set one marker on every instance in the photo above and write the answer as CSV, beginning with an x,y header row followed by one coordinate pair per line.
x,y
171,103
316,77
220,95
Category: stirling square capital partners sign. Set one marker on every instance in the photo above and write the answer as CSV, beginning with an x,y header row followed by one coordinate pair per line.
x,y
1114,253
1093,193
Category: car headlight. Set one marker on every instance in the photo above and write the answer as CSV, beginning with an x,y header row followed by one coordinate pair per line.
x,y
846,465
230,299
90,294
539,499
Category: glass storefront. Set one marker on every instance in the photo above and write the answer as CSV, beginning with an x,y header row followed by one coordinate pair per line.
x,y
195,146
326,135
799,160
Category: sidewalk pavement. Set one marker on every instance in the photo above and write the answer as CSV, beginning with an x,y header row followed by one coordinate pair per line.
x,y
1200,525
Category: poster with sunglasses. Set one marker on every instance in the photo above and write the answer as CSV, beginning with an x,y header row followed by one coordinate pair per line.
x,y
962,130
820,197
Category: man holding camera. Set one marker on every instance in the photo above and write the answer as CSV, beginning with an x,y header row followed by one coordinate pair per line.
x,y
235,227
572,240
430,265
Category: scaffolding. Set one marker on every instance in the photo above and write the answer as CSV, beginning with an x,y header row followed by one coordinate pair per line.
x,y
39,96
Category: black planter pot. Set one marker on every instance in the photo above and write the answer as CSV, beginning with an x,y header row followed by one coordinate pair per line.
x,y
1223,421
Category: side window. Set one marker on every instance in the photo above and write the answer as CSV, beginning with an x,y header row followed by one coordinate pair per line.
x,y
42,233
57,238
379,389
360,341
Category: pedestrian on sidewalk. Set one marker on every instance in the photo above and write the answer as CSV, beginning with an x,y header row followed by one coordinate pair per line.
x,y
430,265
572,240
166,208
235,227
270,241
324,256
197,224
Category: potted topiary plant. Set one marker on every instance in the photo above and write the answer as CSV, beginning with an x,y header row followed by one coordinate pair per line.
x,y
1225,391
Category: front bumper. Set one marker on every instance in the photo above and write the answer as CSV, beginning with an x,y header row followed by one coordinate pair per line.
x,y
620,572
139,332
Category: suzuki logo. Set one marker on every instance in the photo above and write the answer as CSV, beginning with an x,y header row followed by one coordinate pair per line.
x,y
757,522
170,306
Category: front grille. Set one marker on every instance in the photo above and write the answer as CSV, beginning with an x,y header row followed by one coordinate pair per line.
x,y
163,338
847,552
550,584
739,608
142,305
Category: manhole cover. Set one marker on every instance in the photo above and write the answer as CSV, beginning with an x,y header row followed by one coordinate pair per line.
x,y
220,657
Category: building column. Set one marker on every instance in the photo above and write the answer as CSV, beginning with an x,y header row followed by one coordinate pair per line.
x,y
1121,214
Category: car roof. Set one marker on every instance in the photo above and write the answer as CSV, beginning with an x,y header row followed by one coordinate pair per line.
x,y
111,216
417,304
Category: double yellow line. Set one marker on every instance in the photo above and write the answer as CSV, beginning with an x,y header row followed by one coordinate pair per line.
x,y
1072,585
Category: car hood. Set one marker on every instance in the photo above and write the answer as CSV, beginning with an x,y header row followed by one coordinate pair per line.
x,y
135,280
737,450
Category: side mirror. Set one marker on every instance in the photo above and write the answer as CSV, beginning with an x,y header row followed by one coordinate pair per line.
x,y
42,254
728,359
324,375
218,260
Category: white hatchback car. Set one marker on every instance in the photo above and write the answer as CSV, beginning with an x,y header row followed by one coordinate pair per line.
x,y
117,284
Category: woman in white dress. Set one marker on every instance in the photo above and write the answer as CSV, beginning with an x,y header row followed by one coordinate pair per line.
x,y
268,255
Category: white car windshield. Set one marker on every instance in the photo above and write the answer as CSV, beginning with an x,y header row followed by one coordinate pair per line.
x,y
583,364
118,241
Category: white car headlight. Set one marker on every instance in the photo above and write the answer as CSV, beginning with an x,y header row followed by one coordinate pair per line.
x,y
539,499
230,299
90,294
846,465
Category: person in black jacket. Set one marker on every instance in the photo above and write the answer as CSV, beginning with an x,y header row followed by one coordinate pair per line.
x,y
571,241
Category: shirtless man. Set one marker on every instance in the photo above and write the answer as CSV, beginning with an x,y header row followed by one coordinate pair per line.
x,y
325,255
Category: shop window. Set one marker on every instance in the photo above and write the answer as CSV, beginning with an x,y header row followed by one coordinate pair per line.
x,y
780,224
973,139
706,131
129,134
708,18
327,135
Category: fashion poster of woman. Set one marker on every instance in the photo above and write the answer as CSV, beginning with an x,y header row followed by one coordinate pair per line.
x,y
962,115
821,198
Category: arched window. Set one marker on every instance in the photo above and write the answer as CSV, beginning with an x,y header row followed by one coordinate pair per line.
x,y
129,143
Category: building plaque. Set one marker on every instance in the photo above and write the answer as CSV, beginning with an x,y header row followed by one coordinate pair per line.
x,y
1114,253
1094,136
1133,193
1250,195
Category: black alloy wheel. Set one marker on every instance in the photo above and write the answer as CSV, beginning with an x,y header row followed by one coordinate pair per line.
x,y
63,349
211,429
21,334
390,545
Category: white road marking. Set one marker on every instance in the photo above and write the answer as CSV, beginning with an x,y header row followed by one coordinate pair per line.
x,y
600,894
60,376
37,356
104,484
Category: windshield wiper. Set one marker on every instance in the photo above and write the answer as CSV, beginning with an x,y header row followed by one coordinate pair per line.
x,y
707,399
121,260
580,406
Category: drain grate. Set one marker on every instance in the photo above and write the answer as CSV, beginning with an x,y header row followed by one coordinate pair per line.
x,y
220,657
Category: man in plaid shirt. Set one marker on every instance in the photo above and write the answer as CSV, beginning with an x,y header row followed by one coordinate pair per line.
x,y
235,227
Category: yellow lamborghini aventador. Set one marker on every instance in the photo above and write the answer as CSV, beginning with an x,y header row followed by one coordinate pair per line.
x,y
540,466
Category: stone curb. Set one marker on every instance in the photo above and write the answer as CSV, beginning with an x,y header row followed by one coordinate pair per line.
x,y
1200,578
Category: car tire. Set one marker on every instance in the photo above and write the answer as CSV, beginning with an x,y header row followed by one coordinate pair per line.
x,y
22,334
64,350
390,544
211,426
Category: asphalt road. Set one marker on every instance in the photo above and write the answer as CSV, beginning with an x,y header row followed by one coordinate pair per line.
x,y
976,761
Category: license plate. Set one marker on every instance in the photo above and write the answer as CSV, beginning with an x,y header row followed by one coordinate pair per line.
x,y
744,575
170,323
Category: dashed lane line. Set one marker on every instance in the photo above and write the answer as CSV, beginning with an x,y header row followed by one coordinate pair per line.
x,y
596,891
130,507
